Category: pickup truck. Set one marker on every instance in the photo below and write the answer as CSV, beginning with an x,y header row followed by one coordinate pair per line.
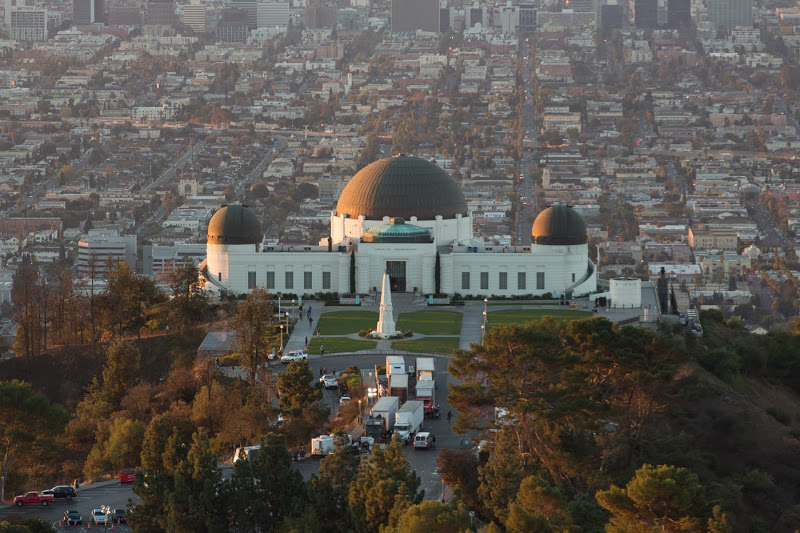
x,y
32,498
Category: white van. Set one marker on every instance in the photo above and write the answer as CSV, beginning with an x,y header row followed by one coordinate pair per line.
x,y
424,439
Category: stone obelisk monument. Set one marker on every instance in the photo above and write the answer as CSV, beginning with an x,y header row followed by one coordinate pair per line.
x,y
386,327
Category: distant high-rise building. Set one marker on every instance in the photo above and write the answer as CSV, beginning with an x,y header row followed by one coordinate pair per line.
x,y
679,13
414,15
317,17
611,16
232,26
730,13
28,24
527,19
195,16
122,15
160,13
11,4
88,11
250,8
444,19
582,6
645,13
273,14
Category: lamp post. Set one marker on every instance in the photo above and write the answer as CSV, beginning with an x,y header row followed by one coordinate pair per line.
x,y
485,303
281,339
483,332
292,305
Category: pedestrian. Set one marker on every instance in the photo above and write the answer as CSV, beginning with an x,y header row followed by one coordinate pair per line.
x,y
301,309
306,340
320,371
321,349
317,332
449,415
309,321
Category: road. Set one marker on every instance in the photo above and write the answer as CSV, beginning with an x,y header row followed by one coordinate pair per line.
x,y
177,165
526,187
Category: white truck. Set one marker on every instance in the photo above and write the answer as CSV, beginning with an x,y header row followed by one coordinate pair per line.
x,y
325,444
381,420
395,364
408,420
426,392
426,368
246,453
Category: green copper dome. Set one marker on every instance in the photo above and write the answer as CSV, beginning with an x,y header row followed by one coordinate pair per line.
x,y
397,231
559,225
402,186
234,224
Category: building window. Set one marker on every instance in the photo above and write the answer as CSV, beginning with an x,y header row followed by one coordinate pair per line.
x,y
326,281
503,281
520,280
307,280
539,281
270,280
484,281
289,278
465,281
251,280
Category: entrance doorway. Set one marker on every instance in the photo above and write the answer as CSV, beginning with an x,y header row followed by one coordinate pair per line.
x,y
397,275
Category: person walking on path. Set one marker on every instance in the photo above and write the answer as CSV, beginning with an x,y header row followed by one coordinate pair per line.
x,y
306,340
309,320
317,332
320,371
449,415
322,350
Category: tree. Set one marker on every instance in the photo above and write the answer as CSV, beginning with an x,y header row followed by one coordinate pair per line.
x,y
250,325
127,298
27,421
384,488
539,507
296,391
501,476
121,370
188,297
458,469
434,517
328,491
26,313
657,499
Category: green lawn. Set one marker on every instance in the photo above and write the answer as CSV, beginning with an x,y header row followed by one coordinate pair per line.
x,y
338,344
431,322
513,316
346,322
444,345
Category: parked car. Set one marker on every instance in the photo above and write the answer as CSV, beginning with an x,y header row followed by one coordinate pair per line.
x,y
73,518
33,498
424,439
344,399
62,491
99,517
329,381
127,476
294,355
116,516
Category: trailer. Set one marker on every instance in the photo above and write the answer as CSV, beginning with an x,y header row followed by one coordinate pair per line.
x,y
246,453
426,392
395,364
381,419
426,368
322,445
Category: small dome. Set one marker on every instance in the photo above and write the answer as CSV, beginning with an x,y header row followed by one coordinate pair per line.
x,y
402,186
234,224
397,231
559,225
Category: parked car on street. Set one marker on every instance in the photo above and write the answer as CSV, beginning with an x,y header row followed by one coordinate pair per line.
x,y
127,476
294,355
425,439
98,517
62,491
73,518
32,498
329,381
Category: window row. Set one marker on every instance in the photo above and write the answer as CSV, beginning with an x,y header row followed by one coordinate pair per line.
x,y
288,280
502,281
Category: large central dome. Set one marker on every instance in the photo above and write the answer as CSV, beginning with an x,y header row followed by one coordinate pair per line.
x,y
234,224
402,186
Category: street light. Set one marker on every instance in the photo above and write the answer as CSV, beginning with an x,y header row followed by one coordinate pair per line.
x,y
292,305
281,339
483,332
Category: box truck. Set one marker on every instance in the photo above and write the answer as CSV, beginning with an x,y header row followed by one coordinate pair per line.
x,y
381,420
408,420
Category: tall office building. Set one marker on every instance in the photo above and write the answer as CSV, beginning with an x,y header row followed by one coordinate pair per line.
x,y
88,11
611,16
414,15
679,13
317,17
28,24
195,16
232,26
273,14
160,13
527,19
122,15
728,14
250,9
11,4
645,13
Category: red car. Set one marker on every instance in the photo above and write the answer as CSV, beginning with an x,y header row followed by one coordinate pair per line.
x,y
127,476
33,498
